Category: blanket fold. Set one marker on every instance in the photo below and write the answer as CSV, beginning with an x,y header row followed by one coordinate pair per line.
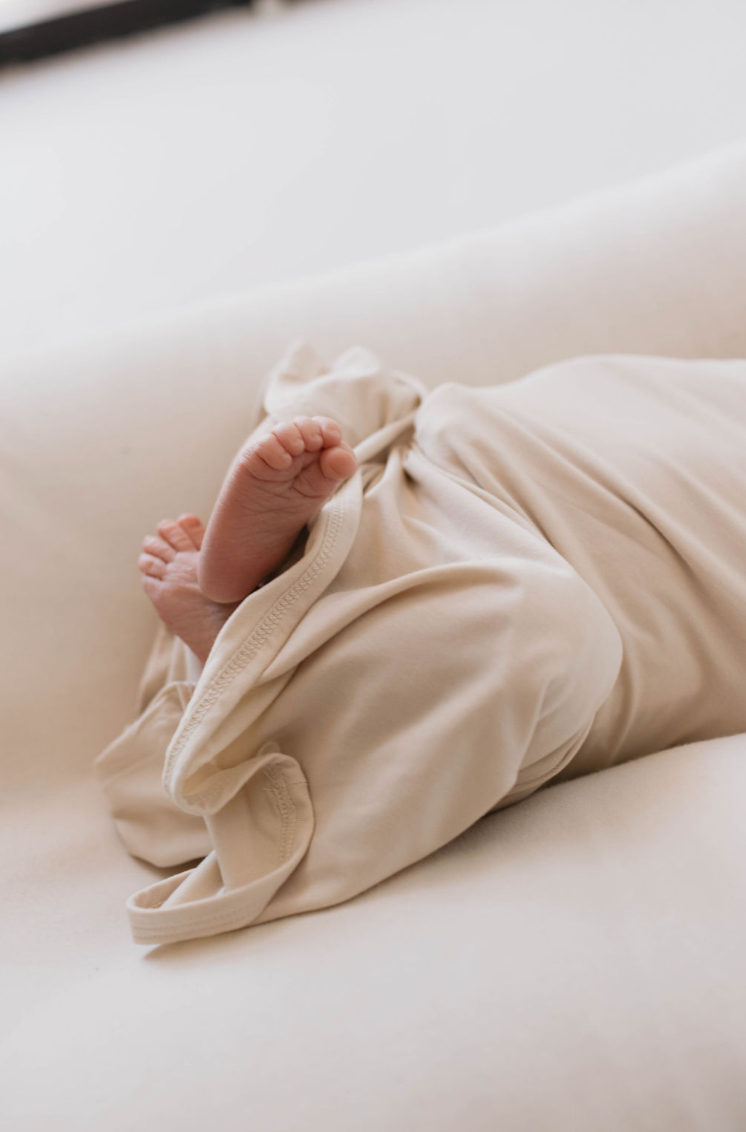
x,y
428,659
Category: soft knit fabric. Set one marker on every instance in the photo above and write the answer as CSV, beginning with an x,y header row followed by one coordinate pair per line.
x,y
518,584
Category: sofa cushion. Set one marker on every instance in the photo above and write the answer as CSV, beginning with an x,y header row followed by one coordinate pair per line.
x,y
574,963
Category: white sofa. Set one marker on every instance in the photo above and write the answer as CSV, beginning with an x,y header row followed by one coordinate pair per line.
x,y
575,963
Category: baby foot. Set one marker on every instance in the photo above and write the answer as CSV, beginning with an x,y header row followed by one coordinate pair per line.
x,y
278,481
169,568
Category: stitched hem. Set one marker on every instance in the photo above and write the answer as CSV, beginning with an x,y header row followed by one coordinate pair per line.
x,y
251,647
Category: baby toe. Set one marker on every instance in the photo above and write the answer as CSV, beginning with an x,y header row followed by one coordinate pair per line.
x,y
311,433
153,587
273,453
156,547
194,528
151,566
174,535
290,437
338,462
330,431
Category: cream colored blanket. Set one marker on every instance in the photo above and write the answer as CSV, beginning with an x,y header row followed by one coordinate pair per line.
x,y
519,584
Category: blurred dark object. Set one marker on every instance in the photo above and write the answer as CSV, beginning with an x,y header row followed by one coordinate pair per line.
x,y
31,29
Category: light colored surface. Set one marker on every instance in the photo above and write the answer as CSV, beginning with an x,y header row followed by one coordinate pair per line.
x,y
144,175
573,963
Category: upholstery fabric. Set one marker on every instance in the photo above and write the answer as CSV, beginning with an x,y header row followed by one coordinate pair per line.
x,y
573,962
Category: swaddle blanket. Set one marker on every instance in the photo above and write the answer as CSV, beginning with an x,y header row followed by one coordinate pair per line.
x,y
518,584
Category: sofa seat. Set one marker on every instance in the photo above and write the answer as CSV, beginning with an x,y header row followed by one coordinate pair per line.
x,y
574,962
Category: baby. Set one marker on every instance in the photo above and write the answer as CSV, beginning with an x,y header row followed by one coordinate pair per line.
x,y
500,588
197,577
631,470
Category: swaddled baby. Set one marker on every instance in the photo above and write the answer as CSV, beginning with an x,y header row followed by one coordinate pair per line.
x,y
414,608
